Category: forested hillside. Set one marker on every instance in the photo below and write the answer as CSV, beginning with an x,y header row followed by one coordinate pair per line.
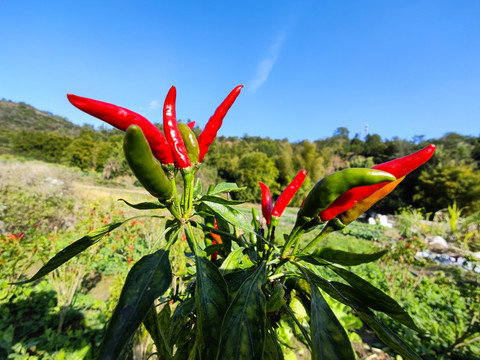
x,y
452,175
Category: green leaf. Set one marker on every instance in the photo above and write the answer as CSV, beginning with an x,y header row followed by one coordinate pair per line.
x,y
148,279
233,260
225,187
272,350
386,335
230,215
209,250
329,339
145,205
157,325
243,328
340,257
276,300
376,299
211,301
221,200
235,279
197,190
72,250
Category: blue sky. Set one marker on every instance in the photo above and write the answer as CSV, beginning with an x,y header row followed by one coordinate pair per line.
x,y
405,68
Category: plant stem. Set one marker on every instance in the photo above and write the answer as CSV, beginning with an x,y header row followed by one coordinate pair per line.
x,y
295,235
325,231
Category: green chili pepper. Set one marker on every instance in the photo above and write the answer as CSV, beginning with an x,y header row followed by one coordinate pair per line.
x,y
332,186
190,141
147,170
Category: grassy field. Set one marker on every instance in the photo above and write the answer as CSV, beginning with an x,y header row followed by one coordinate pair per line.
x,y
43,208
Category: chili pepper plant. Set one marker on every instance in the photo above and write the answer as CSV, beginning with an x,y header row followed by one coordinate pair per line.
x,y
243,278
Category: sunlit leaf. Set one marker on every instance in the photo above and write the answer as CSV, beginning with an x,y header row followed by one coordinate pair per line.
x,y
340,257
144,205
230,215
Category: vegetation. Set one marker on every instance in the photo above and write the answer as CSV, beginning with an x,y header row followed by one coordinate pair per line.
x,y
63,316
452,175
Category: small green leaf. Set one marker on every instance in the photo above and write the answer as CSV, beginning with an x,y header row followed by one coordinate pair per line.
x,y
233,260
225,187
276,300
230,215
376,299
341,257
243,328
148,279
221,200
329,339
144,205
211,301
197,190
73,249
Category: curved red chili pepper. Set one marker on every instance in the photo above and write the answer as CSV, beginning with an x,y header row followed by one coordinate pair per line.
x,y
287,194
216,239
191,125
398,168
121,119
171,131
210,132
267,206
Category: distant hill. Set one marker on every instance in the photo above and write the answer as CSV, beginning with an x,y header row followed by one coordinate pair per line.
x,y
21,116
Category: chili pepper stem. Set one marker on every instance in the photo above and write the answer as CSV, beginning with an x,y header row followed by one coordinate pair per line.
x,y
176,203
187,200
191,240
294,236
312,244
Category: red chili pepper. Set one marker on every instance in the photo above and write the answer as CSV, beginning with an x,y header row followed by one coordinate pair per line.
x,y
283,200
398,168
267,206
171,131
210,132
191,125
287,194
121,119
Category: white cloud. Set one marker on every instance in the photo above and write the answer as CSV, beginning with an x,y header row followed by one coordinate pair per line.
x,y
266,66
154,104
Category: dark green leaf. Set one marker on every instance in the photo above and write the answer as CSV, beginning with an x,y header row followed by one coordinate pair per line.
x,y
148,279
272,350
72,250
157,325
181,324
386,335
221,200
235,279
211,301
230,215
376,299
342,257
243,328
329,339
145,205
276,300
209,250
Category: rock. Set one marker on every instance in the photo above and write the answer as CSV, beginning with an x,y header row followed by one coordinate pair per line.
x,y
438,243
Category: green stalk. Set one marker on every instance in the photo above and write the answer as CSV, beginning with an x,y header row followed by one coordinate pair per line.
x,y
192,241
175,197
294,236
187,201
325,231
